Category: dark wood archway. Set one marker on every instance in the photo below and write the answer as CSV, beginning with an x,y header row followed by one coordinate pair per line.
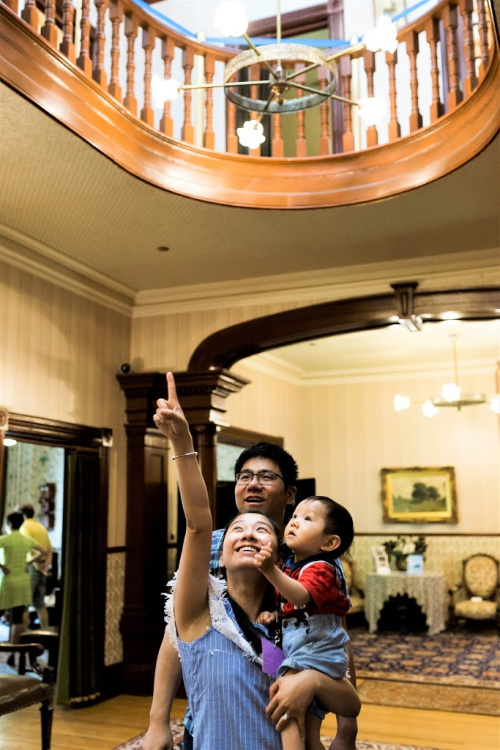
x,y
203,389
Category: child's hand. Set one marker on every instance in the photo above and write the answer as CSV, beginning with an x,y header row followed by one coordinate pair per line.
x,y
169,417
264,558
266,618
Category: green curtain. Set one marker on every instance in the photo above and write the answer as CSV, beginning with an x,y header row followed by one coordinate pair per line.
x,y
80,652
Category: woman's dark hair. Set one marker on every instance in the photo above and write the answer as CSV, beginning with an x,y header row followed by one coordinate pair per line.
x,y
273,452
338,521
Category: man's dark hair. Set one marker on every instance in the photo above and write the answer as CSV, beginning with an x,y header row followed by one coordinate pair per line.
x,y
273,452
338,521
27,510
15,520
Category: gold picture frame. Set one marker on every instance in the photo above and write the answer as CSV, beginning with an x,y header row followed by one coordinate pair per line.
x,y
419,495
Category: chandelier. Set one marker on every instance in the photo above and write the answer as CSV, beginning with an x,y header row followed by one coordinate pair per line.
x,y
281,85
451,395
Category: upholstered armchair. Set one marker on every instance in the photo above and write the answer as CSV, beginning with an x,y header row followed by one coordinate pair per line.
x,y
20,690
478,596
355,594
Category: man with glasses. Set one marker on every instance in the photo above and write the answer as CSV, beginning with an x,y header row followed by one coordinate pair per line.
x,y
265,477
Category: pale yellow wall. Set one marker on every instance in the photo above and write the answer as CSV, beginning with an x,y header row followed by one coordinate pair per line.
x,y
59,356
343,434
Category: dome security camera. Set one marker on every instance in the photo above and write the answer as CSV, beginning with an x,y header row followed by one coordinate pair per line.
x,y
125,367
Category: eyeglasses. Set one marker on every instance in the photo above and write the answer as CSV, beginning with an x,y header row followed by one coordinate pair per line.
x,y
263,477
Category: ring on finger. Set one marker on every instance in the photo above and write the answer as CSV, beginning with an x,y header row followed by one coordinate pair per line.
x,y
285,717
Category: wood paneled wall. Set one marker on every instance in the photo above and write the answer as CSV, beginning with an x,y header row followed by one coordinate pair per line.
x,y
59,356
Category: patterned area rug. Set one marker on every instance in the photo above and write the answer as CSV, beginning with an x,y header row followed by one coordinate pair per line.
x,y
461,659
136,742
468,700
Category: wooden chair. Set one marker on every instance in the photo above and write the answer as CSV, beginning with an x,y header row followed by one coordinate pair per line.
x,y
19,691
355,594
478,596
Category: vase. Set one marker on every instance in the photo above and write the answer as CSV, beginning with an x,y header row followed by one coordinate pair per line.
x,y
401,562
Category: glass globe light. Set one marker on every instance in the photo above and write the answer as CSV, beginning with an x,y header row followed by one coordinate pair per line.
x,y
251,134
384,36
451,392
231,18
163,90
401,402
371,109
429,410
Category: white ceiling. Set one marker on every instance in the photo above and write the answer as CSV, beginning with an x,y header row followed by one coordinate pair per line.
x,y
393,349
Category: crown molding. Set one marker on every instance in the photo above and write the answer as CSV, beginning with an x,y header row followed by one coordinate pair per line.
x,y
456,270
28,254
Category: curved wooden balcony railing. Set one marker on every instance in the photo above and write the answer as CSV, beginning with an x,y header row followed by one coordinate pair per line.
x,y
93,73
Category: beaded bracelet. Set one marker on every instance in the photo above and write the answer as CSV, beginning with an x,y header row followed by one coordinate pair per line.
x,y
182,455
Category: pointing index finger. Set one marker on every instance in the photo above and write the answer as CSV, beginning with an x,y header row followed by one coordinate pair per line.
x,y
172,392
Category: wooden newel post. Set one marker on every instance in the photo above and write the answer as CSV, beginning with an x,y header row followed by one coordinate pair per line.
x,y
202,395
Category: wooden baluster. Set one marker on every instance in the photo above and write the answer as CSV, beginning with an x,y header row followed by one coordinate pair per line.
x,y
13,5
254,93
148,45
412,49
99,73
116,18
394,129
345,68
369,62
84,62
450,19
29,13
67,45
432,34
301,145
482,26
231,136
167,53
278,148
324,112
131,27
187,64
49,28
209,134
470,83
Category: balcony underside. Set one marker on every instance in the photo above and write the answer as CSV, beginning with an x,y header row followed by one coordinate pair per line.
x,y
44,76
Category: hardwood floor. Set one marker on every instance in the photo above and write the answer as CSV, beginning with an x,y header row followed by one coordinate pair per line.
x,y
105,725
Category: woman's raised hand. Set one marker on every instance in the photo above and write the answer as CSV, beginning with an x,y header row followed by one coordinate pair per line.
x,y
169,417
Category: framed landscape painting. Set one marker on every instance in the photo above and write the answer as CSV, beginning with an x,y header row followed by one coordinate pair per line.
x,y
419,495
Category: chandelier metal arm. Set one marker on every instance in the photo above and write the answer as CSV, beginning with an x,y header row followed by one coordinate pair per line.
x,y
195,86
330,58
257,52
324,93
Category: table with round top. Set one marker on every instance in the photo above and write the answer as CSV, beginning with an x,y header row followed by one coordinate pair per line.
x,y
428,590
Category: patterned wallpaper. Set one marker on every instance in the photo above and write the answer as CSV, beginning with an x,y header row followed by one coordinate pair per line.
x,y
444,554
115,584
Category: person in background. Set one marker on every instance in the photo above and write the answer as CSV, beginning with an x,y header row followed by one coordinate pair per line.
x,y
39,568
15,589
265,480
312,599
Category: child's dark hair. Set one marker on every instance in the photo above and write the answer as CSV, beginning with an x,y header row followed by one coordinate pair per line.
x,y
273,452
338,521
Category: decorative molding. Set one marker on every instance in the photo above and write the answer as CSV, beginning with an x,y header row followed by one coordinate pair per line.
x,y
33,256
469,270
